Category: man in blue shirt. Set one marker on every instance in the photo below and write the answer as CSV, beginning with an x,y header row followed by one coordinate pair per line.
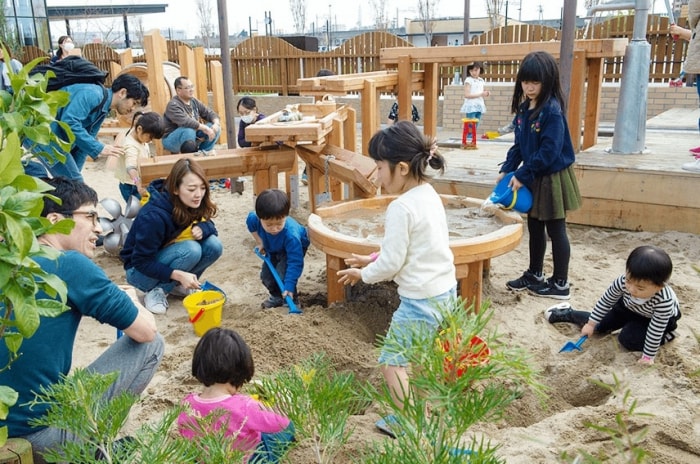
x,y
48,353
87,108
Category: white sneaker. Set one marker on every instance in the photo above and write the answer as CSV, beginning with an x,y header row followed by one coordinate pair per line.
x,y
156,301
181,291
693,166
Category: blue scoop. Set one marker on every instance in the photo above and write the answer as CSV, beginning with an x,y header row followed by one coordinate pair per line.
x,y
290,302
571,346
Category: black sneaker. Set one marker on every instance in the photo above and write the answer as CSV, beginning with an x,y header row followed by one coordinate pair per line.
x,y
550,289
272,302
559,313
525,281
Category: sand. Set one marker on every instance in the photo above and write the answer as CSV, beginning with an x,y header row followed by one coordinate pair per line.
x,y
531,432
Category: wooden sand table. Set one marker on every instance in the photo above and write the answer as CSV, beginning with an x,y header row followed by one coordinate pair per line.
x,y
471,254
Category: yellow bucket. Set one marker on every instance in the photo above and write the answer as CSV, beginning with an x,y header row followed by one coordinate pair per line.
x,y
204,309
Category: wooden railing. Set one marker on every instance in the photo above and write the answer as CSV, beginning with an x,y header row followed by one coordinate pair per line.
x,y
267,64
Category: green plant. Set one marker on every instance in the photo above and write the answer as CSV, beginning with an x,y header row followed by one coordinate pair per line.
x,y
26,113
438,414
319,400
626,436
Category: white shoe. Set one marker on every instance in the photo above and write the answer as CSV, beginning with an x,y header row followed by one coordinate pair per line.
x,y
693,166
156,301
555,309
181,291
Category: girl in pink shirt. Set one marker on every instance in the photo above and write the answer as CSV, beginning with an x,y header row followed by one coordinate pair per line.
x,y
222,361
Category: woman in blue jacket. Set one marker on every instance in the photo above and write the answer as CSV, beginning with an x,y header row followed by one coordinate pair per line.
x,y
173,239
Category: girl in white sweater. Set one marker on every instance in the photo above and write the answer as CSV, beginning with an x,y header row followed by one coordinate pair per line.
x,y
415,252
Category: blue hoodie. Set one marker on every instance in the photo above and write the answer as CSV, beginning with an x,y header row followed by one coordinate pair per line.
x,y
152,230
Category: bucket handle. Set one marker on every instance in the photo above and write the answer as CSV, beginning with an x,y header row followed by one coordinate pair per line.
x,y
515,199
196,317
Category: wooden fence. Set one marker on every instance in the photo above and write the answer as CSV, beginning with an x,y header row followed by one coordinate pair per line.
x,y
265,64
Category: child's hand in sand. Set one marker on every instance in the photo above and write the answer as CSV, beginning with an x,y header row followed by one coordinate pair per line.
x,y
588,329
349,276
646,360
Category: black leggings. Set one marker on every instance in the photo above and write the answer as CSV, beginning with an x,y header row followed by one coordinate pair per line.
x,y
561,249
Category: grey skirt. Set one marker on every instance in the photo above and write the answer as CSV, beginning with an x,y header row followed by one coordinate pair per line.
x,y
555,194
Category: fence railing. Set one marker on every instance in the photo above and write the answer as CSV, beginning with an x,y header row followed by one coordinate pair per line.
x,y
265,64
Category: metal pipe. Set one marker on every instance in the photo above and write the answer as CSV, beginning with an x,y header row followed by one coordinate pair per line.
x,y
612,5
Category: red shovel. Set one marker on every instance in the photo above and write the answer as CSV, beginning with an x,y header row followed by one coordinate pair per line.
x,y
571,346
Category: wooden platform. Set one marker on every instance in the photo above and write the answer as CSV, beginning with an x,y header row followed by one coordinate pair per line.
x,y
641,192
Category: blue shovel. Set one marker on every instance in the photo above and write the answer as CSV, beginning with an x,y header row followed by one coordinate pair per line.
x,y
290,302
571,346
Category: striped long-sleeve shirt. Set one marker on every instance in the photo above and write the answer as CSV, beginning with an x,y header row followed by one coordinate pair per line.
x,y
660,308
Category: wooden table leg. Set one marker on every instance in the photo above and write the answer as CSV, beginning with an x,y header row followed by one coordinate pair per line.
x,y
471,285
336,290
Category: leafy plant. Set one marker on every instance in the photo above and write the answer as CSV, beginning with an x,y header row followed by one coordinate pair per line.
x,y
447,399
319,400
626,436
26,114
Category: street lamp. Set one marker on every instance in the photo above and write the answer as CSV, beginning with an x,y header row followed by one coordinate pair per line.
x,y
330,25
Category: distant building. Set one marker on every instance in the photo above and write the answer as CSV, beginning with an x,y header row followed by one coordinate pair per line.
x,y
27,23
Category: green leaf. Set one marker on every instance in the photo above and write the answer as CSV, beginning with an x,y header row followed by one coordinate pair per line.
x,y
3,435
27,317
13,341
8,398
50,308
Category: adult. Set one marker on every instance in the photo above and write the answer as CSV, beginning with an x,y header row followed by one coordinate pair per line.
x,y
692,65
65,46
47,355
172,240
7,63
87,108
190,125
248,111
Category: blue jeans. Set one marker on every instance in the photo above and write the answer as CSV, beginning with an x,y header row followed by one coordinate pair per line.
x,y
127,190
174,140
412,317
136,364
70,168
189,255
272,446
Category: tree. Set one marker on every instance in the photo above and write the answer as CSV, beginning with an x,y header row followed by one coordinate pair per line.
x,y
138,29
426,15
206,23
27,114
298,8
381,15
493,10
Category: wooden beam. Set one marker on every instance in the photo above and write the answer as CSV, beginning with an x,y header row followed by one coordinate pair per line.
x,y
369,103
430,99
217,84
200,70
591,118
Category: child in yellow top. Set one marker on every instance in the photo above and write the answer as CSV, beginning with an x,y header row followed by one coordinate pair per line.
x,y
145,128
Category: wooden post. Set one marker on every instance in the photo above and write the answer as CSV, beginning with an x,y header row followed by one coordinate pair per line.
x,y
200,70
16,451
217,84
404,88
370,122
574,113
188,67
430,101
156,48
593,95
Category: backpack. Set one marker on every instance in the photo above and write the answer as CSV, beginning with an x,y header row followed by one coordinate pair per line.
x,y
72,70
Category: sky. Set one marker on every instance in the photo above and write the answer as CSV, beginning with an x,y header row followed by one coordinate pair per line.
x,y
182,14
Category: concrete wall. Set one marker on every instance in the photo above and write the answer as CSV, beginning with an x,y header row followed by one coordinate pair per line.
x,y
660,98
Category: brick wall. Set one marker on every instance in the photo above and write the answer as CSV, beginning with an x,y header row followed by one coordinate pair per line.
x,y
660,98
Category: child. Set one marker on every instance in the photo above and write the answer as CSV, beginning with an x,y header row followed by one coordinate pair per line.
x,y
640,302
542,158
474,93
415,251
248,110
283,239
144,128
394,113
222,361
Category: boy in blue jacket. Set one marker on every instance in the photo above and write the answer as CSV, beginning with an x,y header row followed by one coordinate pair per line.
x,y
281,238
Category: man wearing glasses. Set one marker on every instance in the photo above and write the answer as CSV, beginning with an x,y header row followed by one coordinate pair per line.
x,y
48,353
190,125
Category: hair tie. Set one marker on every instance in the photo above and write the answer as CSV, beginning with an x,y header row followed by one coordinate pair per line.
x,y
433,149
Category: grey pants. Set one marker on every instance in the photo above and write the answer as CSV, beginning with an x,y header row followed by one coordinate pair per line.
x,y
136,364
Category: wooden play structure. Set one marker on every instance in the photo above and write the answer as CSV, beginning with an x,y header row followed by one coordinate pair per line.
x,y
471,255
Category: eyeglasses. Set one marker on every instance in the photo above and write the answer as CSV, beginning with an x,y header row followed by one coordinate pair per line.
x,y
189,87
92,215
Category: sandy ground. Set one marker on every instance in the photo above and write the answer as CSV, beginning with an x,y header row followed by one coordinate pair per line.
x,y
531,432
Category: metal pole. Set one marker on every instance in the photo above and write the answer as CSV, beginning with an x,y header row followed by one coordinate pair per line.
x,y
566,48
227,75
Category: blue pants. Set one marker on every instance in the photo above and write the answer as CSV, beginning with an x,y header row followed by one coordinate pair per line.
x,y
279,260
273,446
174,140
189,255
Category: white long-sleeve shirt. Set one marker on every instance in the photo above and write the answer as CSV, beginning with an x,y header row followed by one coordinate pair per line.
x,y
415,251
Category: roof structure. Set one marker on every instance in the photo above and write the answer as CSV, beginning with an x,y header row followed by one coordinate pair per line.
x,y
103,11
